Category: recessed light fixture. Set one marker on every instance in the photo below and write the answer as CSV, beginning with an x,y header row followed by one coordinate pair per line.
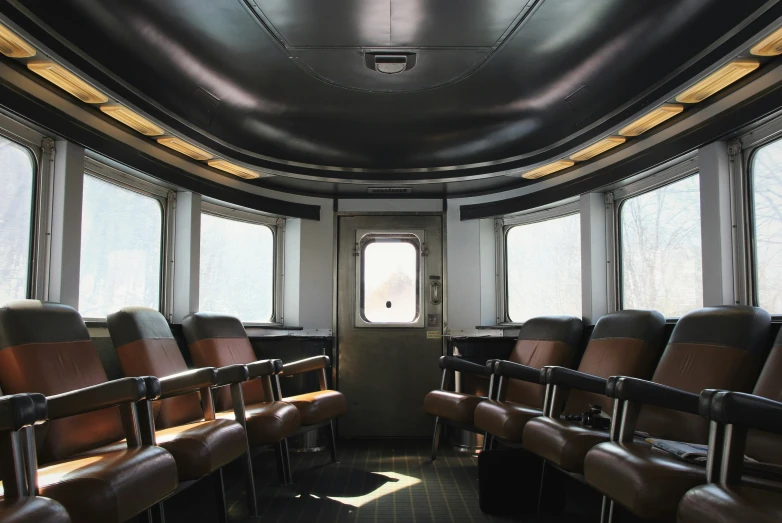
x,y
13,46
132,120
652,119
234,169
67,81
597,148
717,81
770,45
185,148
547,169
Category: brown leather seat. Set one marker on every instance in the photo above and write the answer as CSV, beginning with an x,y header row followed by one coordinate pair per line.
x,y
623,343
549,340
33,510
46,348
735,504
714,347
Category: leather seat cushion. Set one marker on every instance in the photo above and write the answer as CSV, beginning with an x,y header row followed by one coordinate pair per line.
x,y
201,448
647,482
505,420
316,407
452,405
736,504
561,442
268,423
33,510
111,486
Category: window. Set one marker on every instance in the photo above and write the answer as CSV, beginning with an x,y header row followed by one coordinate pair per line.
x,y
660,243
17,176
121,248
237,268
543,267
766,183
390,280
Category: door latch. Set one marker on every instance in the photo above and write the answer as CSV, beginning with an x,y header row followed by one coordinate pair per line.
x,y
424,250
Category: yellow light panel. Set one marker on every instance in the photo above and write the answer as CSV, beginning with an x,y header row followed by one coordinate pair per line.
x,y
547,169
185,148
718,81
67,81
652,119
12,46
598,148
132,120
234,169
770,45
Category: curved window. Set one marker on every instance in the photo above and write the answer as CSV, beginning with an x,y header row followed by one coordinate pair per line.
x,y
661,249
17,178
543,264
766,181
121,249
237,269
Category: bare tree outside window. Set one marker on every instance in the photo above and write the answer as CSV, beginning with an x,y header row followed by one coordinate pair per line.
x,y
17,176
661,249
237,269
389,282
766,175
121,249
544,268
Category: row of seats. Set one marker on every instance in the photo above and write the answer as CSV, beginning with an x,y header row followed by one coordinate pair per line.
x,y
105,451
667,392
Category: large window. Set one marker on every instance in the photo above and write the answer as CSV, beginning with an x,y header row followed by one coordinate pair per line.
x,y
543,267
121,248
17,177
660,242
237,268
766,183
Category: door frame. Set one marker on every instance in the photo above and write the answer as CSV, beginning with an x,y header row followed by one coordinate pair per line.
x,y
335,274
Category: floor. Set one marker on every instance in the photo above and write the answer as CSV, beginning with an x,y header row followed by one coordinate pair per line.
x,y
373,481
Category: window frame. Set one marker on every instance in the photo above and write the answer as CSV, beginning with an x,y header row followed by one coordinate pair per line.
x,y
167,200
501,228
277,226
616,199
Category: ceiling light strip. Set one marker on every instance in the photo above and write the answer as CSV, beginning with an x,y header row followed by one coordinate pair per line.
x,y
547,169
131,119
597,148
236,170
185,148
67,81
717,81
13,46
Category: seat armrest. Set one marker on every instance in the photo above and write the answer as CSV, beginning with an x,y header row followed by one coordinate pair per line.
x,y
462,365
306,365
611,386
230,374
96,397
516,371
564,377
188,381
17,411
264,368
746,410
650,393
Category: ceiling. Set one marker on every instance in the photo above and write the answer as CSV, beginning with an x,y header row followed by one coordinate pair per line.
x,y
487,86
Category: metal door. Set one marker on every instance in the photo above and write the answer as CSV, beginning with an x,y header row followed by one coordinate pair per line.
x,y
389,322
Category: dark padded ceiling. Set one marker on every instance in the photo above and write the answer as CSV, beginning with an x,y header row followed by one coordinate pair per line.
x,y
282,84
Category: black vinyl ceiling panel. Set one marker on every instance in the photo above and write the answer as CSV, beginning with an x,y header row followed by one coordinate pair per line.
x,y
283,84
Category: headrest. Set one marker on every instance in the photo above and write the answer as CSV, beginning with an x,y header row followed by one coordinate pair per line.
x,y
636,324
24,322
131,324
207,325
739,326
566,329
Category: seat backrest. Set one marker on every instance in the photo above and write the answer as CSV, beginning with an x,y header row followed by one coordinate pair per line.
x,y
46,348
146,347
710,348
546,340
217,340
623,343
765,446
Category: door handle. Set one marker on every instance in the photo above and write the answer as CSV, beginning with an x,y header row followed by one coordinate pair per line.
x,y
435,292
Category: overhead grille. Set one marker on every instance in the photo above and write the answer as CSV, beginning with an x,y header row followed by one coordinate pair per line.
x,y
390,190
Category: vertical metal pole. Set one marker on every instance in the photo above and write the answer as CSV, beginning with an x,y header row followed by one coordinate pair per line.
x,y
237,398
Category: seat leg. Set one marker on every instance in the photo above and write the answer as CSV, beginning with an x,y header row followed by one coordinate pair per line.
x,y
154,514
607,511
540,491
332,442
436,437
286,456
279,457
488,441
249,483
222,509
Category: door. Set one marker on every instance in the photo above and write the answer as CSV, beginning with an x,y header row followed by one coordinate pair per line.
x,y
389,322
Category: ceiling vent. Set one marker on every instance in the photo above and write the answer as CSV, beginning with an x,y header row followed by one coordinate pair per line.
x,y
390,190
390,62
